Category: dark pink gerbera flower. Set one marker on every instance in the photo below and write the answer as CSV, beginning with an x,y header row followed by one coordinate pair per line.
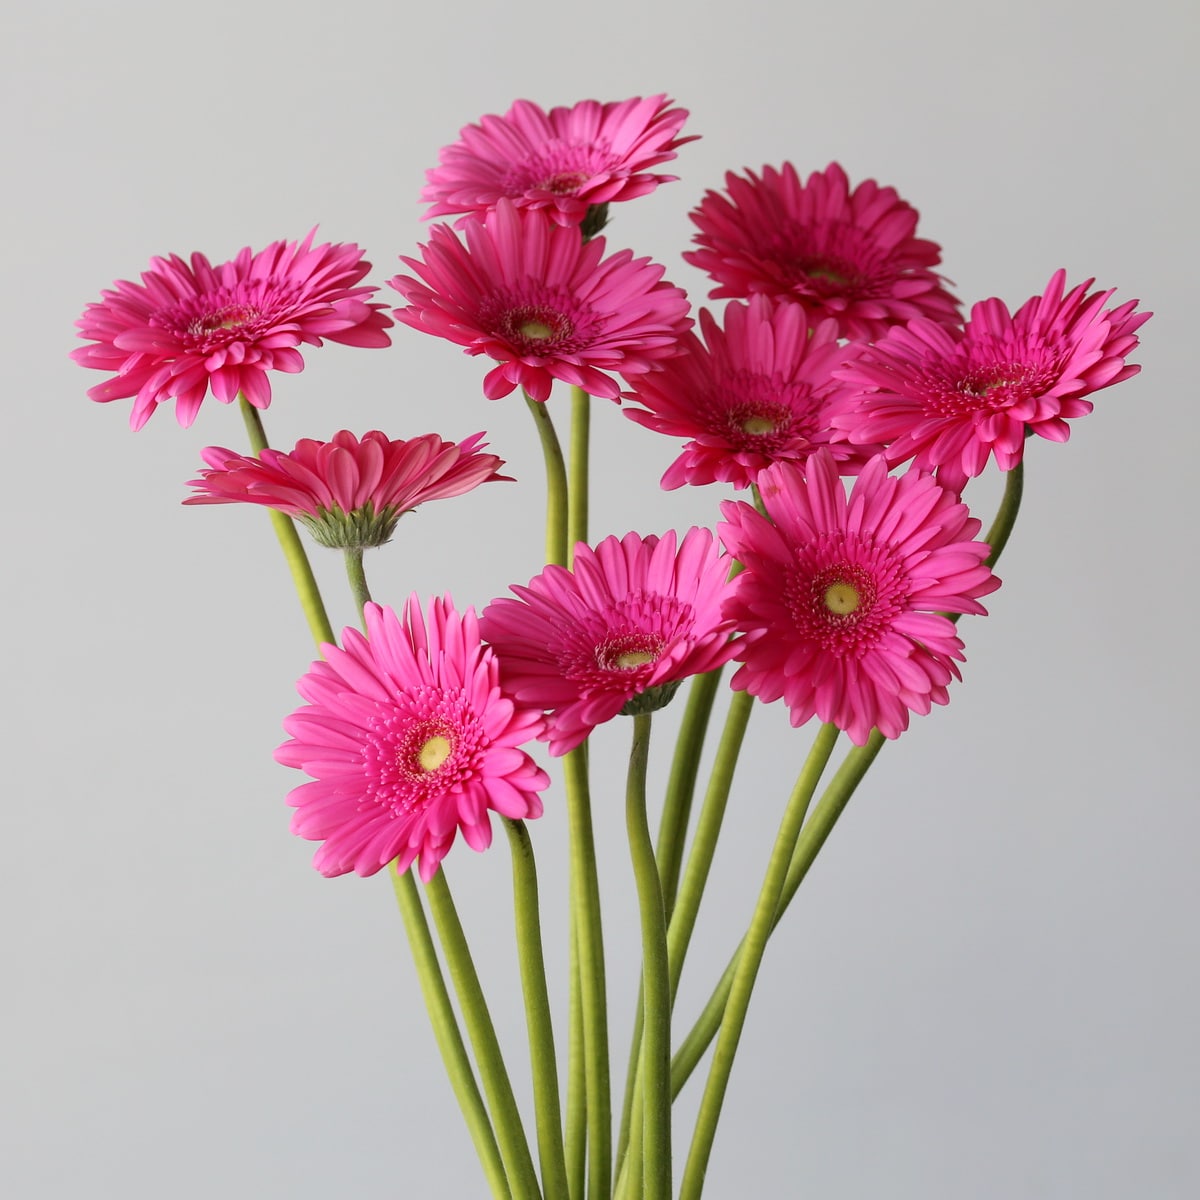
x,y
753,393
544,302
850,255
842,598
349,493
188,329
410,740
950,399
615,634
564,161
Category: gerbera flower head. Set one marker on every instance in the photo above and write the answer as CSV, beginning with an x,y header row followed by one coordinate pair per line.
x,y
617,633
952,399
544,302
348,492
849,255
842,598
190,328
565,161
409,740
751,393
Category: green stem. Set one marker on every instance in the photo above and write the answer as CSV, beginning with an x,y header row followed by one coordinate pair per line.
x,y
303,579
446,1031
577,492
576,1124
812,837
357,576
587,928
514,1149
656,1039
1006,514
537,1011
753,947
556,484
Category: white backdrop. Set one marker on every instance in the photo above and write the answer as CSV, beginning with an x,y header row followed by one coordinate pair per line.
x,y
987,987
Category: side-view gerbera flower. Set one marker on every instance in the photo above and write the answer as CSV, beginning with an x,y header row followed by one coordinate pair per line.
x,y
618,632
849,255
190,328
348,492
751,393
842,598
410,740
543,302
951,399
564,161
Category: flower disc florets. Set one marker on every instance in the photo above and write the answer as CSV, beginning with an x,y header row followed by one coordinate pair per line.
x,y
630,620
348,492
191,328
544,303
848,255
410,740
842,598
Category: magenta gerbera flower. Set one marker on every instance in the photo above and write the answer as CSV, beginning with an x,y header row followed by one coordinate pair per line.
x,y
346,491
544,302
188,329
410,740
850,255
752,393
617,633
951,399
564,161
842,598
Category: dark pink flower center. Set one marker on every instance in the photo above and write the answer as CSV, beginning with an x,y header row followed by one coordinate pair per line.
x,y
560,168
538,326
987,387
629,651
828,259
232,316
243,313
761,414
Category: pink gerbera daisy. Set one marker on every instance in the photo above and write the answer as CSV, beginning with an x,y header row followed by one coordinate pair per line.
x,y
565,161
349,493
544,302
842,599
951,399
753,393
188,329
616,634
850,255
409,740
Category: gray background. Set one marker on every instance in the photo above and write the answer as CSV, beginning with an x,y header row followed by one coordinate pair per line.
x,y
988,986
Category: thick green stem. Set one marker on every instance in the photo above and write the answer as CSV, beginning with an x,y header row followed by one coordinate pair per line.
x,y
1006,514
577,509
754,945
446,1031
656,985
303,579
514,1148
556,484
537,1012
587,929
357,576
576,1122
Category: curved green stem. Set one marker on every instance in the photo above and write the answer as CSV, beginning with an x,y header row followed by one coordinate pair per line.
x,y
577,491
446,1031
1006,514
537,1011
357,576
303,579
754,945
514,1148
656,1039
556,484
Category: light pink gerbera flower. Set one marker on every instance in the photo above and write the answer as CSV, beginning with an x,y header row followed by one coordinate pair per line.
x,y
842,598
564,161
543,302
951,399
616,634
850,255
186,329
410,740
349,493
755,394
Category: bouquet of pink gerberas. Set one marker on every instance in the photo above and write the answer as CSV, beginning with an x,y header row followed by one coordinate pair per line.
x,y
835,584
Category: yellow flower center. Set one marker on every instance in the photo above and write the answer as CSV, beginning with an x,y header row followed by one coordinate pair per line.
x,y
757,425
842,598
434,752
634,658
538,330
